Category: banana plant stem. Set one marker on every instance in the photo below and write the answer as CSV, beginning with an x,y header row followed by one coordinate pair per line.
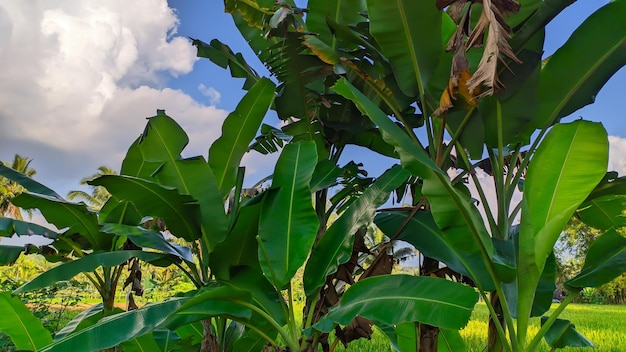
x,y
496,321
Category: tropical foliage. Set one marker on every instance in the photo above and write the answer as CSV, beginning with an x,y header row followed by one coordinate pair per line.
x,y
10,189
451,89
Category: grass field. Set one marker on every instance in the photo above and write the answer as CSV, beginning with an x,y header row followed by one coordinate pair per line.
x,y
605,326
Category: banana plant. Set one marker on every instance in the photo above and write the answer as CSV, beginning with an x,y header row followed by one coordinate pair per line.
x,y
480,86
345,79
243,260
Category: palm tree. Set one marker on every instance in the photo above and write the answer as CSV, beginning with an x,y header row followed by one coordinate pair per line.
x,y
10,189
99,195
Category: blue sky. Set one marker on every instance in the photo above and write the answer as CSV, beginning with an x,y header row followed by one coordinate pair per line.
x,y
79,78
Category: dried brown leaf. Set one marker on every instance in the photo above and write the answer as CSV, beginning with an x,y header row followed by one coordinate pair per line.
x,y
358,328
497,46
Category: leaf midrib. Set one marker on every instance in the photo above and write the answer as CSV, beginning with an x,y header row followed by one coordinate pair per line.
x,y
290,211
387,298
409,37
560,178
582,80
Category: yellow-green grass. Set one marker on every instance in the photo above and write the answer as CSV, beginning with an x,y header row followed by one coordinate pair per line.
x,y
605,326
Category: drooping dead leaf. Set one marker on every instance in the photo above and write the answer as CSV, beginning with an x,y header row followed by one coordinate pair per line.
x,y
491,22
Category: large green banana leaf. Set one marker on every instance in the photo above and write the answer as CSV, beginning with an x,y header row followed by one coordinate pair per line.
x,y
87,263
134,164
10,227
163,139
288,223
180,212
240,247
566,167
575,73
433,301
26,331
221,55
118,328
325,175
409,34
604,207
450,340
212,300
604,212
346,12
149,239
75,216
163,142
421,231
9,254
143,343
27,182
119,212
563,334
81,320
606,260
169,340
238,130
335,247
264,295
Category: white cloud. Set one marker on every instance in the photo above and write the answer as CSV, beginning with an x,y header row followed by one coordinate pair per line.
x,y
617,155
79,78
210,92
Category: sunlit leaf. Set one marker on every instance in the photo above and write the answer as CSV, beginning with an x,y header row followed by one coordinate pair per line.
x,y
238,130
378,299
114,329
26,331
288,223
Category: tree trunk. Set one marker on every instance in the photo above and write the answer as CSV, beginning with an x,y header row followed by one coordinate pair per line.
x,y
428,338
494,343
209,342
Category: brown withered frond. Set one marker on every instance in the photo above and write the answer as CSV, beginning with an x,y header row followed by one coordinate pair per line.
x,y
491,22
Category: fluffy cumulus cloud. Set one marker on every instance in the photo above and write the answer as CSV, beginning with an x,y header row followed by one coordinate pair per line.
x,y
211,93
79,78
